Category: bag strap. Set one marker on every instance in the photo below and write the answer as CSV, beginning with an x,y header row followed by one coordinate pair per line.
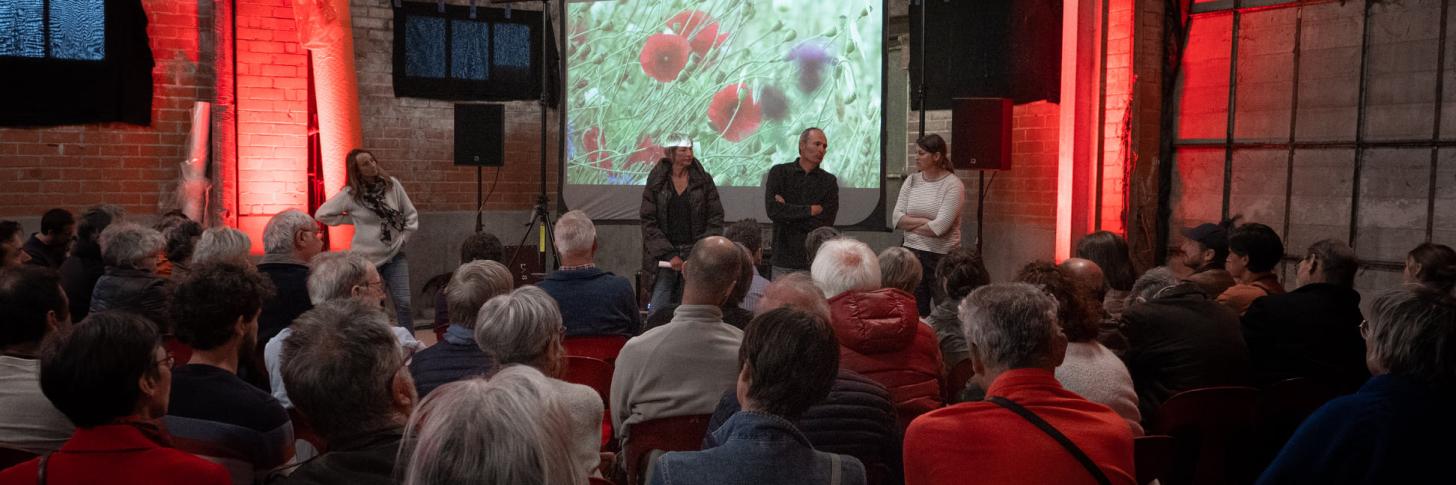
x,y
40,473
834,471
1051,431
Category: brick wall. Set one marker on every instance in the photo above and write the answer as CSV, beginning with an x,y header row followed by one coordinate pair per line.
x,y
272,107
77,166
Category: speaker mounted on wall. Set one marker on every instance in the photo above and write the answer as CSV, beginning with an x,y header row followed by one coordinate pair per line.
x,y
480,135
980,130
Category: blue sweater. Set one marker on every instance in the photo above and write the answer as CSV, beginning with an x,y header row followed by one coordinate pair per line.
x,y
594,302
1390,431
454,358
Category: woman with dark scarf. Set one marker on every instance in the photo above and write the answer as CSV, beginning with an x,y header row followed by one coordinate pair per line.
x,y
679,206
383,219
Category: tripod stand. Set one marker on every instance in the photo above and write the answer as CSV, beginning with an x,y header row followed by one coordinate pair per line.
x,y
540,214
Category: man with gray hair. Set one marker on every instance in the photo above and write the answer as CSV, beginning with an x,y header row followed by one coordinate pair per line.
x,y
1179,338
1016,344
347,370
593,302
880,333
131,253
796,290
457,356
290,240
1314,330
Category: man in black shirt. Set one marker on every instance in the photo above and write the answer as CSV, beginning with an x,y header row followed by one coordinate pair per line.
x,y
800,197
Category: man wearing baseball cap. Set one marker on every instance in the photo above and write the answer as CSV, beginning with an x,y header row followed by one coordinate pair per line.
x,y
1205,247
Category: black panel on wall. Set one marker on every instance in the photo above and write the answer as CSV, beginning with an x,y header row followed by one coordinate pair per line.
x,y
986,48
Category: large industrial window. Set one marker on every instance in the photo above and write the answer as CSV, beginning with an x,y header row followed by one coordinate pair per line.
x,y
74,61
466,53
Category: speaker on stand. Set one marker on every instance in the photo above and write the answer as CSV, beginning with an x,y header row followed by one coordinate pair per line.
x,y
480,142
981,131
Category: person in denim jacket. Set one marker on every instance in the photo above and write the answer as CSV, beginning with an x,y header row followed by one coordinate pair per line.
x,y
788,361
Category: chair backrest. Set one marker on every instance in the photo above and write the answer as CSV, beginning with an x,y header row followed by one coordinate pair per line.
x,y
13,456
302,430
1283,406
590,372
955,382
1210,425
603,347
679,433
599,481
1152,455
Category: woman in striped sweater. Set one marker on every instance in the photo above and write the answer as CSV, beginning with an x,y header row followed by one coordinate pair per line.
x,y
929,211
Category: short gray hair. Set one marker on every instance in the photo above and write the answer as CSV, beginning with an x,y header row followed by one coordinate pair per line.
x,y
333,276
127,244
456,435
1412,332
847,265
222,244
899,268
471,286
1012,324
339,367
1150,283
518,327
575,233
282,227
795,290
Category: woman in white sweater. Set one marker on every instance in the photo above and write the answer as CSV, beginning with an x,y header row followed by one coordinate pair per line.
x,y
929,211
383,219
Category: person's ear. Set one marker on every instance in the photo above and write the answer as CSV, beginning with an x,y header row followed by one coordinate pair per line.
x,y
148,383
403,391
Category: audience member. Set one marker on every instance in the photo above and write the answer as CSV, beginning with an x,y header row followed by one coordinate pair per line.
x,y
12,252
458,356
111,377
290,240
748,233
523,328
899,269
1313,331
593,302
80,271
796,289
1179,339
880,331
1089,369
181,236
349,381
456,436
130,283
733,313
481,246
1383,433
959,273
214,414
1204,252
1432,265
1015,346
1091,284
49,246
1254,251
816,239
1110,252
800,196
32,306
787,363
222,244
681,368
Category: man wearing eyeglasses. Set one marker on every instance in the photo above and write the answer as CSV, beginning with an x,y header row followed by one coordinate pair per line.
x,y
290,241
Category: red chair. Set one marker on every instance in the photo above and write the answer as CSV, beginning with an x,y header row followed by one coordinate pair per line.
x,y
956,381
304,431
1152,455
599,481
680,433
1212,427
13,456
602,347
1283,406
596,374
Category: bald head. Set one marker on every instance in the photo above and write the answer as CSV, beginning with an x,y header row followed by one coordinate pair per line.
x,y
795,290
711,272
1088,276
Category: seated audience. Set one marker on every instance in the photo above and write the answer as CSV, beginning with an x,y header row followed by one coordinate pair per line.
x,y
80,271
681,368
456,435
733,312
880,331
49,246
181,235
524,328
748,233
214,414
458,356
959,273
32,306
899,269
1091,284
349,381
290,240
1313,331
1204,252
1089,369
1254,251
788,362
1384,432
593,302
796,289
1015,346
816,239
1433,266
481,246
1109,251
111,376
1179,339
222,244
130,282
12,252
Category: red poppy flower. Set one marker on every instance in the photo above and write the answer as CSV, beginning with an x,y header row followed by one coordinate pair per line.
x,y
700,27
734,112
593,142
664,56
647,152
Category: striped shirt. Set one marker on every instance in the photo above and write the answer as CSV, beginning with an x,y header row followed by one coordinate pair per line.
x,y
940,201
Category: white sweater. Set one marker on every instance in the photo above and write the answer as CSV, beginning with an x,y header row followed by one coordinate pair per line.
x,y
342,209
1098,375
940,201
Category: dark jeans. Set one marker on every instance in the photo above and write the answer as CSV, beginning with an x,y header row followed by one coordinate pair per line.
x,y
924,292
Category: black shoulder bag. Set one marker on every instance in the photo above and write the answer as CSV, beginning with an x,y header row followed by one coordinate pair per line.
x,y
1061,439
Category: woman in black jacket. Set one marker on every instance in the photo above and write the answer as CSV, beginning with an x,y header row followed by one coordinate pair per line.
x,y
679,206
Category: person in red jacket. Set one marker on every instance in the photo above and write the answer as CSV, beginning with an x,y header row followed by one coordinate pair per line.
x,y
879,329
1029,430
112,378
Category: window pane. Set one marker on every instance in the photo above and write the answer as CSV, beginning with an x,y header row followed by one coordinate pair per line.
x,y
425,47
512,46
469,50
78,29
20,28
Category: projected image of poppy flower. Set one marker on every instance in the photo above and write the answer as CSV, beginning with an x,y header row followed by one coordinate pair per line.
x,y
593,142
775,105
811,57
664,56
700,27
734,113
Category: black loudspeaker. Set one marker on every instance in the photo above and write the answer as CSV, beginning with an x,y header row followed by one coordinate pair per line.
x,y
980,130
480,135
986,48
